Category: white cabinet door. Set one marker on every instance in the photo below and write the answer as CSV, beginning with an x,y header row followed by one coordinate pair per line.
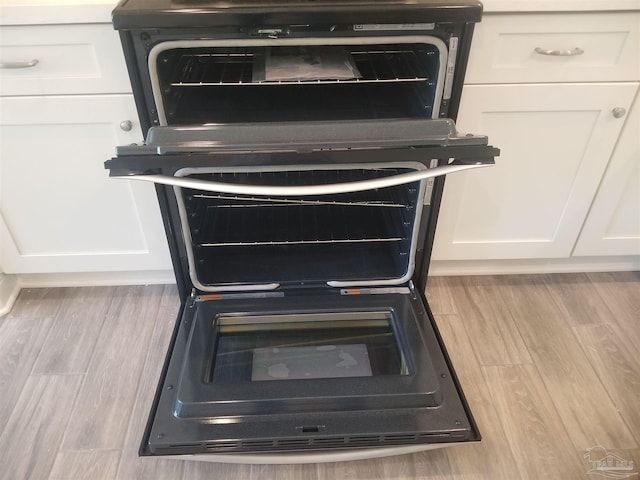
x,y
61,59
555,143
567,47
613,224
60,212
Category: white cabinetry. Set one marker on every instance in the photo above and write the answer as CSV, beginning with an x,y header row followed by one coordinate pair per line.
x,y
613,224
60,212
69,59
556,138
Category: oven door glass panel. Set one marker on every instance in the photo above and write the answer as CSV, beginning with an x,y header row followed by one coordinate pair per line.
x,y
305,346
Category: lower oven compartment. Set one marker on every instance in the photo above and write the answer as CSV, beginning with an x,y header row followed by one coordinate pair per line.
x,y
353,237
413,399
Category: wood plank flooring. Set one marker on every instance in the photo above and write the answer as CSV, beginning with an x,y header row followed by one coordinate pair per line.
x,y
550,365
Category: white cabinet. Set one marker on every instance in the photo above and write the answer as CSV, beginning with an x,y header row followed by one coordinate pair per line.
x,y
555,143
558,47
60,212
613,224
62,59
553,118
60,120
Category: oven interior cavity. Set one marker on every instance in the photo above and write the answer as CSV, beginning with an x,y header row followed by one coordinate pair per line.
x,y
355,237
200,85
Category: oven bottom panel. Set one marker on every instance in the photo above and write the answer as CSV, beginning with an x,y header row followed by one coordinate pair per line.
x,y
305,373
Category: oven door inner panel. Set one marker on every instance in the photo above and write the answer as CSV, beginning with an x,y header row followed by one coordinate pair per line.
x,y
308,371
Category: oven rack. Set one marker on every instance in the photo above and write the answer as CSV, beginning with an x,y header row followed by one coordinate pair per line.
x,y
298,224
237,68
301,242
255,202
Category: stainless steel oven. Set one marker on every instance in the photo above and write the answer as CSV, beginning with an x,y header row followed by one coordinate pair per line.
x,y
299,151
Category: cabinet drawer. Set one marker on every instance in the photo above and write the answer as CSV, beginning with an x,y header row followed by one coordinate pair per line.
x,y
61,59
559,47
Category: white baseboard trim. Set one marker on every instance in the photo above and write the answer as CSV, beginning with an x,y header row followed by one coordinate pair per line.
x,y
10,285
91,279
551,265
9,290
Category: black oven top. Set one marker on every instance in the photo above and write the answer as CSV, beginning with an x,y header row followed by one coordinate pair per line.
x,y
130,14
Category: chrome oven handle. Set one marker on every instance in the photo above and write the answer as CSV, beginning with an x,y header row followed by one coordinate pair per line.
x,y
283,191
13,65
571,52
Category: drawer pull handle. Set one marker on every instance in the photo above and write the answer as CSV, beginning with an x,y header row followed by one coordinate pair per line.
x,y
27,64
573,52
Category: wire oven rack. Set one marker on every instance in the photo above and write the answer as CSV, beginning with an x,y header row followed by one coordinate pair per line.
x,y
236,68
384,215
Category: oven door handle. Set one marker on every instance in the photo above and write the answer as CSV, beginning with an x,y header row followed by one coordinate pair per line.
x,y
308,190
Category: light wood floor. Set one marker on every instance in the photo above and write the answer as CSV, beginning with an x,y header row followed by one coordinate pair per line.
x,y
550,365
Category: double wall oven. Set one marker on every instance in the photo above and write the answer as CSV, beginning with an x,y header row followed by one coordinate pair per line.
x,y
299,149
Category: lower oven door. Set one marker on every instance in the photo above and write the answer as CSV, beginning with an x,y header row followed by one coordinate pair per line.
x,y
298,343
317,375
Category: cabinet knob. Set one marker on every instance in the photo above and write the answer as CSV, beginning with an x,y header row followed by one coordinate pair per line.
x,y
619,112
126,125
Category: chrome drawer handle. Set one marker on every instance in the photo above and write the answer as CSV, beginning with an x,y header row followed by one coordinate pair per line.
x,y
27,64
574,52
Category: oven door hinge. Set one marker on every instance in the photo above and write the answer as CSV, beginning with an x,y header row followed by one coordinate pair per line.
x,y
412,289
375,290
205,297
193,298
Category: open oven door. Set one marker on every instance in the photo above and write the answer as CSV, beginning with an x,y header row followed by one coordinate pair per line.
x,y
304,339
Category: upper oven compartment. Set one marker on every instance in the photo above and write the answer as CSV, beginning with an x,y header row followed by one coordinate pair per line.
x,y
298,79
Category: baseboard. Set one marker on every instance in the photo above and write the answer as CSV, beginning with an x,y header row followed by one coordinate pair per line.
x,y
90,279
9,290
10,285
552,265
